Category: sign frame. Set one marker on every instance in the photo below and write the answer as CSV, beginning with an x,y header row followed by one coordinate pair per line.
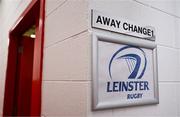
x,y
128,40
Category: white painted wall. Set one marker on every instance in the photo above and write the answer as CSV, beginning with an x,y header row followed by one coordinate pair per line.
x,y
67,61
164,16
66,71
66,90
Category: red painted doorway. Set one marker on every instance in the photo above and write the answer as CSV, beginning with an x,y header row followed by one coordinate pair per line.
x,y
24,67
23,81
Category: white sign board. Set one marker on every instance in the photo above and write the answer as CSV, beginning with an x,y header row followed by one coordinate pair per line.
x,y
120,25
124,73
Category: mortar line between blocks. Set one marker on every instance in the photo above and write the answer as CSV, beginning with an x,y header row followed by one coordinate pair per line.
x,y
74,81
58,6
157,9
66,39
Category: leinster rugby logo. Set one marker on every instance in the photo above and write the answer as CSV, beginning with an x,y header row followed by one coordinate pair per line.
x,y
126,68
136,64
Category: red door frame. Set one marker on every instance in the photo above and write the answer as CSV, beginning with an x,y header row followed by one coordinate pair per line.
x,y
23,22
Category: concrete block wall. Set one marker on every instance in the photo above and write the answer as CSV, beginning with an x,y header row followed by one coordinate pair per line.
x,y
66,71
164,16
67,60
66,90
10,10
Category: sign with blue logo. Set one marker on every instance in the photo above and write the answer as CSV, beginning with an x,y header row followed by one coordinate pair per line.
x,y
124,72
